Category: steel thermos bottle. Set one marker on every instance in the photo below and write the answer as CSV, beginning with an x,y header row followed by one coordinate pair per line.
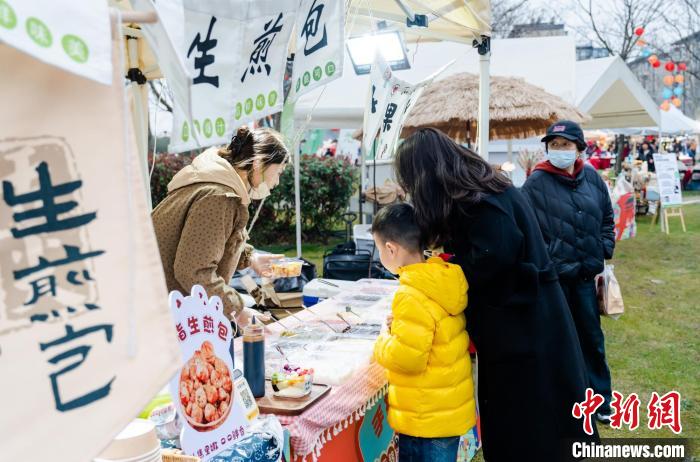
x,y
254,357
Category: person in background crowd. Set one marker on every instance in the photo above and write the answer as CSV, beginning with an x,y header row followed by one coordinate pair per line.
x,y
573,208
626,150
201,224
646,154
693,151
531,370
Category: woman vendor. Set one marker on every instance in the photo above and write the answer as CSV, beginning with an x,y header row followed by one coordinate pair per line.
x,y
201,224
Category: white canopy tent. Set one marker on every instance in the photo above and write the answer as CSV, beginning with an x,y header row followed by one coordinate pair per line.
x,y
674,121
609,92
548,62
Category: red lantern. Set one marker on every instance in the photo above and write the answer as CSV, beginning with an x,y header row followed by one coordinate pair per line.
x,y
682,66
639,31
670,66
656,64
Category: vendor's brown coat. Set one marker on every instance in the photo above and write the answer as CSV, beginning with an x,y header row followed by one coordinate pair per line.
x,y
201,229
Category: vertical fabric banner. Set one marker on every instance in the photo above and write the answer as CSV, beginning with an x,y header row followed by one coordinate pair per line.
x,y
380,82
85,332
74,36
389,102
259,76
319,54
236,53
212,36
399,102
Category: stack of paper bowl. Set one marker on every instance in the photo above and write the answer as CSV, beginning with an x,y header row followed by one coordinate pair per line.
x,y
136,443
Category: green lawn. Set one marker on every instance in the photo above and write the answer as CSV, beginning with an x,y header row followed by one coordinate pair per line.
x,y
655,345
312,252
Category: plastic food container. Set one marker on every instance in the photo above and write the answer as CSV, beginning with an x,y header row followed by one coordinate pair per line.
x,y
292,382
286,268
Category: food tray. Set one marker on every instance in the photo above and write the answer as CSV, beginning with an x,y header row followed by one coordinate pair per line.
x,y
270,404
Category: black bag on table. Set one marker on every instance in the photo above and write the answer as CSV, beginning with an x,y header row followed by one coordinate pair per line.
x,y
347,263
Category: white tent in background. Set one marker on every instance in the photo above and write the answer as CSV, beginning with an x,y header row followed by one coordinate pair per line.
x,y
609,92
674,121
547,62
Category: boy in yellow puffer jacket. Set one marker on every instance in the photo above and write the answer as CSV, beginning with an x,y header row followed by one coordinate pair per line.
x,y
431,394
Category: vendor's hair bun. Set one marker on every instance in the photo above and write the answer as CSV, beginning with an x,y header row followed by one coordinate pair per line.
x,y
264,145
241,147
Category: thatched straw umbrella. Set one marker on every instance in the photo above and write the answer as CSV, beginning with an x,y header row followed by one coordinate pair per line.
x,y
517,109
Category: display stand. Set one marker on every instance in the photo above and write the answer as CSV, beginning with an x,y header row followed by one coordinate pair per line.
x,y
665,213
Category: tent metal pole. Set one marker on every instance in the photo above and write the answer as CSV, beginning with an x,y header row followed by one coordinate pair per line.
x,y
484,48
297,195
363,165
140,110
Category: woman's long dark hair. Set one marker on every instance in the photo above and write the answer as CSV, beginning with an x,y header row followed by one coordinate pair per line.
x,y
442,176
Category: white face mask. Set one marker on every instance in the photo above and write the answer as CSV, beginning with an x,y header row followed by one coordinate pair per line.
x,y
259,192
562,159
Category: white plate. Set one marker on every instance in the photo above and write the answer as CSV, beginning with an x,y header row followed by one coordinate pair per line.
x,y
150,456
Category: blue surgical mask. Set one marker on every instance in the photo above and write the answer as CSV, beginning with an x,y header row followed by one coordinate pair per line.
x,y
562,159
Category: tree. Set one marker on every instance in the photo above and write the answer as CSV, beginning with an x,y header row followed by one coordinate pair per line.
x,y
611,23
506,13
682,26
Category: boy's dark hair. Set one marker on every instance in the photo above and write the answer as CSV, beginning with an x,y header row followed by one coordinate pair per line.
x,y
397,223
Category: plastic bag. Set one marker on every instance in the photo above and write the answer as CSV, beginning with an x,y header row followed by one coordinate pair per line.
x,y
609,294
263,442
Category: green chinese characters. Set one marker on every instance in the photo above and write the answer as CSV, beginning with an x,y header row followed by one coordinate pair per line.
x,y
220,125
272,98
207,128
8,18
185,131
39,32
75,48
248,105
260,102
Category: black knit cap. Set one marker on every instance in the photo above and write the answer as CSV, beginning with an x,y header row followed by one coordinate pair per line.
x,y
566,129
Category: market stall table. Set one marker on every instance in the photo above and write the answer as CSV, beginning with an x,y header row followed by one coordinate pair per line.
x,y
336,338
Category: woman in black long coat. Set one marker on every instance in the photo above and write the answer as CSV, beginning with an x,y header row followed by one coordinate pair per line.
x,y
531,370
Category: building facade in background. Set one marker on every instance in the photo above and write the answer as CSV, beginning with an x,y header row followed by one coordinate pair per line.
x,y
537,29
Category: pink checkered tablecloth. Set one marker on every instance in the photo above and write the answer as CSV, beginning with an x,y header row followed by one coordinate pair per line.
x,y
344,405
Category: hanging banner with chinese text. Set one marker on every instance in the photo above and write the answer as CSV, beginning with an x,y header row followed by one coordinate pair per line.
x,y
390,100
236,53
258,86
84,322
211,37
214,409
319,45
74,36
380,82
